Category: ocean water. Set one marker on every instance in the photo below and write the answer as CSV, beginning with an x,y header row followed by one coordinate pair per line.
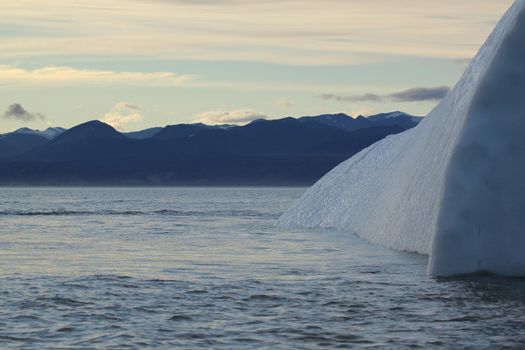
x,y
206,268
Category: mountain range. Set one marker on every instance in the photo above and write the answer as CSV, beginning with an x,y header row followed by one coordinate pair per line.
x,y
289,151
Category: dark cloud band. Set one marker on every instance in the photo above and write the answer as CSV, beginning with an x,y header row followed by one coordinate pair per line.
x,y
17,112
419,94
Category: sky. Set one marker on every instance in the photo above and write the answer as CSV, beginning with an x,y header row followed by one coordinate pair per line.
x,y
142,63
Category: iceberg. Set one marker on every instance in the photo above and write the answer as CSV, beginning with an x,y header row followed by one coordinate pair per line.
x,y
453,187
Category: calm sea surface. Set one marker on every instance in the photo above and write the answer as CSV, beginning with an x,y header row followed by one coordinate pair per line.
x,y
207,269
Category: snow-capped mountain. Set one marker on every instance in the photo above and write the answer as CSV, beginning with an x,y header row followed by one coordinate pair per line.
x,y
49,133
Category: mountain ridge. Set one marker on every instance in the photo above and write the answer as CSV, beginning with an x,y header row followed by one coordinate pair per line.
x,y
264,152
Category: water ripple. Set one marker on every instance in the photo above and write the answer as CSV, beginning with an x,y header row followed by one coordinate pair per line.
x,y
127,268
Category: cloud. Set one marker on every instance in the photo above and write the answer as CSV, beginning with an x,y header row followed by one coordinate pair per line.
x,y
353,98
241,116
283,102
17,112
419,94
126,106
69,75
121,115
248,30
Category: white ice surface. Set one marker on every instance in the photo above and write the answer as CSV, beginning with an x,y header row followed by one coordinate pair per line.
x,y
453,187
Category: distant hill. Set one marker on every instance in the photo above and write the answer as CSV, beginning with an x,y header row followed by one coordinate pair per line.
x,y
7,149
341,121
143,134
14,144
49,133
89,141
286,151
181,130
400,119
23,140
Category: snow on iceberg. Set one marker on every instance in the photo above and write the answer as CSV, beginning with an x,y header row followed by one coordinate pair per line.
x,y
454,186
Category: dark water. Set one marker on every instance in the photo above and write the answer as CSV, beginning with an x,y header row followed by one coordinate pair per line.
x,y
206,268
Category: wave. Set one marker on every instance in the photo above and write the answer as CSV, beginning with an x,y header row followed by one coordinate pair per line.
x,y
166,212
68,213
